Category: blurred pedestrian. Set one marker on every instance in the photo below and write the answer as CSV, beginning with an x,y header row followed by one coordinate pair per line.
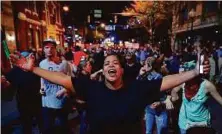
x,y
27,87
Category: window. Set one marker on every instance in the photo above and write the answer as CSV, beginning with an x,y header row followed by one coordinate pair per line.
x,y
193,5
37,38
48,17
57,16
30,5
40,38
31,38
34,6
210,6
183,15
52,19
57,37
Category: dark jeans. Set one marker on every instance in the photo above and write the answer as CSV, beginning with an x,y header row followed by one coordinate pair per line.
x,y
29,108
83,124
55,121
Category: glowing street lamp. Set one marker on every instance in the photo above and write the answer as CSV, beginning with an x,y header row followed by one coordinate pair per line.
x,y
66,8
102,25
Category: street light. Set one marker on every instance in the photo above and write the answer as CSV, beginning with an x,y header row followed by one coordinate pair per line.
x,y
66,8
192,14
102,25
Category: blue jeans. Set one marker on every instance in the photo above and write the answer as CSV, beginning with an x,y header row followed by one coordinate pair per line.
x,y
159,117
183,131
55,121
83,124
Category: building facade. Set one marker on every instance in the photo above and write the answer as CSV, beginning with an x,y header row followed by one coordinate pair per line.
x,y
36,21
8,41
196,19
25,24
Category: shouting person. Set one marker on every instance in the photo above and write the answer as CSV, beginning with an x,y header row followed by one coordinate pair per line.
x,y
112,107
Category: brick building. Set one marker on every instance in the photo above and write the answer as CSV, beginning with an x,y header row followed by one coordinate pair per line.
x,y
35,21
7,33
196,19
25,24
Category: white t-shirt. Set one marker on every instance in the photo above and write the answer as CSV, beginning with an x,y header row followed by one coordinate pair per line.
x,y
49,99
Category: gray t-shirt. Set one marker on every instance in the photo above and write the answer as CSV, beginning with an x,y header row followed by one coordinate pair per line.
x,y
49,99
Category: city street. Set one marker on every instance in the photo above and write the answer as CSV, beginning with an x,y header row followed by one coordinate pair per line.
x,y
11,124
111,67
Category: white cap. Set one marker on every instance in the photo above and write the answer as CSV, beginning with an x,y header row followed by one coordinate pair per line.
x,y
49,40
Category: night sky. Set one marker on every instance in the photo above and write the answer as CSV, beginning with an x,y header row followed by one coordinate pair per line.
x,y
80,9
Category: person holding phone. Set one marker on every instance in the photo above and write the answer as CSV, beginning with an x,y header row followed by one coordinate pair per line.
x,y
112,106
195,93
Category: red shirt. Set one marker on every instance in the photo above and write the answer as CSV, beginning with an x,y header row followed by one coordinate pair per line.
x,y
77,57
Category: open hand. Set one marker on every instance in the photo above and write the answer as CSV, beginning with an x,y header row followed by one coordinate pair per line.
x,y
155,105
26,64
168,103
61,93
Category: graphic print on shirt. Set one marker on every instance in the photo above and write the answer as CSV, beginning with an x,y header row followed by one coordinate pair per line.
x,y
50,69
51,88
50,100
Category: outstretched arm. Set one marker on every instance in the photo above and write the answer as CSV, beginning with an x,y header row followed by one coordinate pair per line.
x,y
213,91
172,81
55,77
27,64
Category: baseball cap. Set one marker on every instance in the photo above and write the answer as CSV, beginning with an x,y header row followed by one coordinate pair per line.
x,y
49,40
25,53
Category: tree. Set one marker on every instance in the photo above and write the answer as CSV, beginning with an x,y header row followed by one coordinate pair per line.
x,y
149,14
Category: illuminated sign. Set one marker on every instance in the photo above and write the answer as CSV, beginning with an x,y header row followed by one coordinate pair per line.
x,y
110,27
97,13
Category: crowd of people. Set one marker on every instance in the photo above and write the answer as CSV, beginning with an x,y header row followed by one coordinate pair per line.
x,y
117,90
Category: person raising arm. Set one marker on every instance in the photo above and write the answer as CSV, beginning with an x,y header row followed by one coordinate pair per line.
x,y
126,103
59,78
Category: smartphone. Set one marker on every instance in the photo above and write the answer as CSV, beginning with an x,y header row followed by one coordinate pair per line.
x,y
201,63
